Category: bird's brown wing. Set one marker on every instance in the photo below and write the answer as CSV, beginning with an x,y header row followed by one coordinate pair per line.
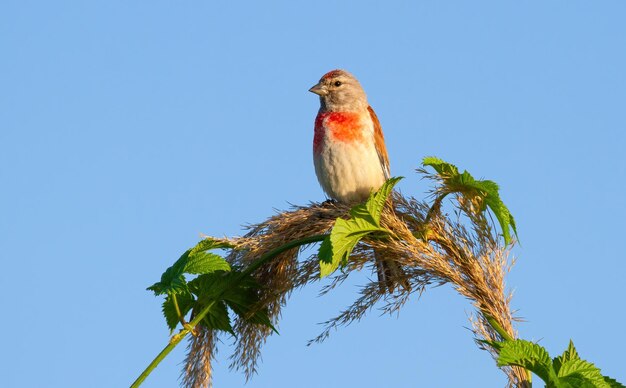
x,y
379,142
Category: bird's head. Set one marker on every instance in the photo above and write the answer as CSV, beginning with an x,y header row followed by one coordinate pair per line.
x,y
339,91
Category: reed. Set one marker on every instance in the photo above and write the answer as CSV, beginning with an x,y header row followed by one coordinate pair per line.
x,y
430,246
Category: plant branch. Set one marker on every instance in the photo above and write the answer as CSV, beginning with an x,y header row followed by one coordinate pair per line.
x,y
175,340
189,328
507,337
277,251
180,316
496,326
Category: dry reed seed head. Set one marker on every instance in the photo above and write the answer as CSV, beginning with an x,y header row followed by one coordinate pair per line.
x,y
282,275
476,273
471,260
200,351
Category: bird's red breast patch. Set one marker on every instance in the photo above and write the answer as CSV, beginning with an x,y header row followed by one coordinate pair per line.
x,y
341,126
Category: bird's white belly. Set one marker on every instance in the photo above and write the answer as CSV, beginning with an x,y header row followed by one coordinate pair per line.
x,y
349,171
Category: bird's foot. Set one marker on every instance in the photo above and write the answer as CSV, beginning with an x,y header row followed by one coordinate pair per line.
x,y
329,202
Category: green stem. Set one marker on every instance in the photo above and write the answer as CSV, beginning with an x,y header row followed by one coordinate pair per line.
x,y
175,340
499,329
507,337
277,251
435,208
180,316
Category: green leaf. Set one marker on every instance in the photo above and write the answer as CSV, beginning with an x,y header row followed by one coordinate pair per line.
x,y
530,356
193,261
579,373
343,238
565,371
172,280
205,262
185,303
217,318
465,184
569,354
176,285
244,302
365,219
440,166
576,369
209,244
376,202
239,292
362,212
325,253
212,285
492,199
613,383
328,268
573,382
497,345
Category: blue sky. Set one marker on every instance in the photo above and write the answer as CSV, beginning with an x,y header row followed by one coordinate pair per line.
x,y
128,128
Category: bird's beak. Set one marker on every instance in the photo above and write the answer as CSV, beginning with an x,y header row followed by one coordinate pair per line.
x,y
318,89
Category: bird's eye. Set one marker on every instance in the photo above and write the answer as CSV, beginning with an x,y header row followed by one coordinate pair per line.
x,y
337,83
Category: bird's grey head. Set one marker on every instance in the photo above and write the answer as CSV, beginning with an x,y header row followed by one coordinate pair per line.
x,y
339,91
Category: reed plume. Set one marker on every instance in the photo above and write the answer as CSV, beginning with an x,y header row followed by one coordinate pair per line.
x,y
431,247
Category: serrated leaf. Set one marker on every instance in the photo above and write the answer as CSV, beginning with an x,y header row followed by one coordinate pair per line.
x,y
530,356
343,238
362,212
157,288
346,233
325,253
376,202
217,318
504,217
465,184
211,285
244,303
172,280
613,383
328,268
365,219
573,369
192,261
574,382
497,345
205,262
569,354
208,244
185,303
440,166
237,291
175,286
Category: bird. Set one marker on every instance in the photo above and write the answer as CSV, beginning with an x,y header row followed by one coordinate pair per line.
x,y
349,151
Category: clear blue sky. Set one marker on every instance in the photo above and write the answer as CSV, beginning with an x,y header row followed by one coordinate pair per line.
x,y
128,128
